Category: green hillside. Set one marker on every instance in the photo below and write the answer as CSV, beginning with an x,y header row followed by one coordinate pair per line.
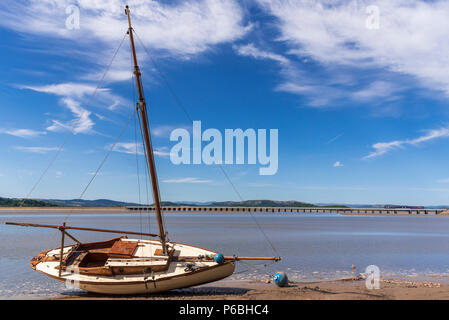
x,y
6,202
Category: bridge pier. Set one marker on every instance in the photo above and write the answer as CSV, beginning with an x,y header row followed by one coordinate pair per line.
x,y
186,209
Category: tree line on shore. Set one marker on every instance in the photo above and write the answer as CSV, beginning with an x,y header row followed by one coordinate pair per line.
x,y
13,202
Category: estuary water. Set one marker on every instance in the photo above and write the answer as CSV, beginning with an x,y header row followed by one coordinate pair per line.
x,y
313,247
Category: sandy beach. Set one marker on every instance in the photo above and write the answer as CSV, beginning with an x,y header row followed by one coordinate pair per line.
x,y
346,289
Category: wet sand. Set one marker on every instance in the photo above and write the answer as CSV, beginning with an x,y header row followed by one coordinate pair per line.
x,y
346,289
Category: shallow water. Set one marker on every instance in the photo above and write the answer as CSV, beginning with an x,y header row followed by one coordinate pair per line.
x,y
312,246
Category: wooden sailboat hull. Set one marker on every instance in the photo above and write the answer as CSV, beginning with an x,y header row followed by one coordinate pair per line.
x,y
186,280
126,266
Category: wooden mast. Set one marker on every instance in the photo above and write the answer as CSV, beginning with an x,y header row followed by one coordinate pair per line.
x,y
142,108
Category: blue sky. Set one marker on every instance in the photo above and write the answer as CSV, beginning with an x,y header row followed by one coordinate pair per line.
x,y
362,113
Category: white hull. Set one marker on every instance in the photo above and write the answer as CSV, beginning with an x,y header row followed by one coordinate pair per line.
x,y
184,281
189,266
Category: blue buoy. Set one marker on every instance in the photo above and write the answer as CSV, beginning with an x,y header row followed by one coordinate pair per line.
x,y
280,279
219,258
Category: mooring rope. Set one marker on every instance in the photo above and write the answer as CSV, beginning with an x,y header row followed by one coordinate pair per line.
x,y
256,267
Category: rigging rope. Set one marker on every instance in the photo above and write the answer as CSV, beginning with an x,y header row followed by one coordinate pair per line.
x,y
173,93
133,92
72,130
104,159
147,176
138,173
107,155
181,105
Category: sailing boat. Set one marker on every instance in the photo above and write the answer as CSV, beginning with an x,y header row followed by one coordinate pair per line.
x,y
133,266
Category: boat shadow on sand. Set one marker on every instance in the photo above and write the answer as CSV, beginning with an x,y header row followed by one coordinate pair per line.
x,y
188,293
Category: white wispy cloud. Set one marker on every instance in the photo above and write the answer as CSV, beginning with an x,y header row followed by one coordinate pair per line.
x,y
69,89
163,131
335,138
377,89
179,27
40,150
114,105
251,51
82,122
23,133
411,42
95,173
349,188
322,89
444,190
337,164
187,180
72,94
381,148
130,148
162,152
261,185
127,147
296,88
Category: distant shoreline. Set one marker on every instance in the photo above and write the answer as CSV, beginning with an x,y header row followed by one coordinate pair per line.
x,y
122,210
394,215
56,210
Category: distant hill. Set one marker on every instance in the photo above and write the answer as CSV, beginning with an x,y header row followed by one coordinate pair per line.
x,y
6,202
248,203
12,202
194,203
352,205
262,203
89,203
